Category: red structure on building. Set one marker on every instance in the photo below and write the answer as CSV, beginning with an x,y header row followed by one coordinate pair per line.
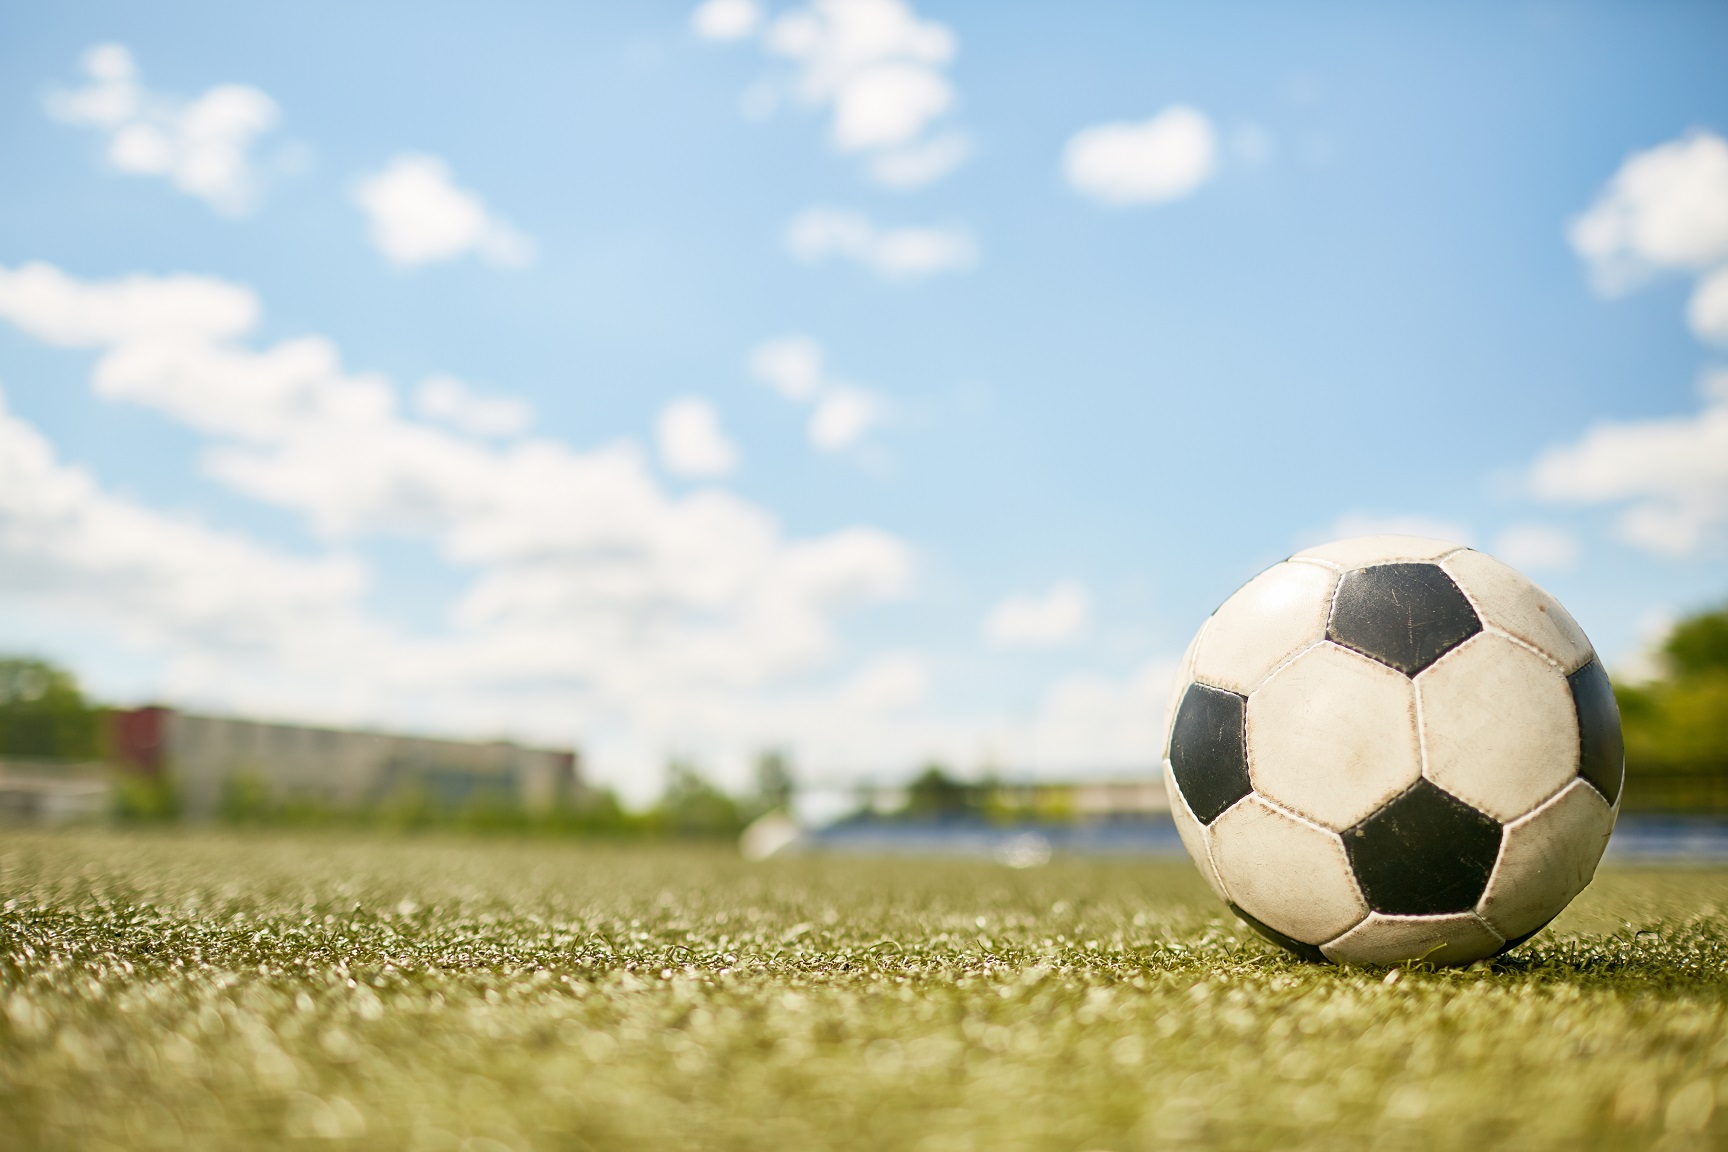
x,y
139,738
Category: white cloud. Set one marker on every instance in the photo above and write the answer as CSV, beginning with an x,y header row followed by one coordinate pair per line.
x,y
70,547
203,146
54,307
876,67
1713,386
922,163
601,608
841,413
1152,162
1707,311
791,365
600,605
842,417
1665,209
691,441
1052,618
887,684
726,19
888,105
1536,546
447,400
1369,524
1089,724
818,234
1672,473
877,724
417,215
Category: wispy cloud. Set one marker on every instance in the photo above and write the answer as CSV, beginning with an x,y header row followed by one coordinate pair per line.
x,y
202,146
819,234
841,413
1047,619
1153,161
447,400
1665,210
726,19
691,440
875,67
1536,546
591,586
1670,474
416,214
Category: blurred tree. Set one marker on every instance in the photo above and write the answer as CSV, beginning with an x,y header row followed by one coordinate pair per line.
x,y
1677,725
935,793
43,713
692,806
1698,645
246,799
774,783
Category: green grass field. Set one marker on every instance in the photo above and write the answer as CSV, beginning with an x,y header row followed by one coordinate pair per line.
x,y
180,991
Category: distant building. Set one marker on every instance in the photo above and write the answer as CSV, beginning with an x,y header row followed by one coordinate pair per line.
x,y
205,756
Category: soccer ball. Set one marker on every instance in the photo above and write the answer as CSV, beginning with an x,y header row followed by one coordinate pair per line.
x,y
1392,748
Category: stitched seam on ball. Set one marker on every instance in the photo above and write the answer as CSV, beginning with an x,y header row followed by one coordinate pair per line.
x,y
1332,603
1369,916
1396,918
1492,931
1421,728
1523,643
1458,582
1194,651
1489,625
1336,839
1575,782
1205,836
1248,745
1287,661
1282,810
1551,797
1206,843
1306,648
1373,663
1317,562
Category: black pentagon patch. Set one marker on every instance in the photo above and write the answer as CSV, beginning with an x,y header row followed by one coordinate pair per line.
x,y
1289,943
1601,750
1406,616
1425,853
1209,750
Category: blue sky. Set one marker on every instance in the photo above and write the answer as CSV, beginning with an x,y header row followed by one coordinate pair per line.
x,y
1111,306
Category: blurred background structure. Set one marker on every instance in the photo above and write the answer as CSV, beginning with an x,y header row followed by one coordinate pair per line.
x,y
649,417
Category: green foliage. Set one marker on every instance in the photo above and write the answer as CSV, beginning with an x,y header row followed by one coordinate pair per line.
x,y
43,713
1698,646
1677,726
246,799
774,783
269,990
935,793
145,800
692,806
